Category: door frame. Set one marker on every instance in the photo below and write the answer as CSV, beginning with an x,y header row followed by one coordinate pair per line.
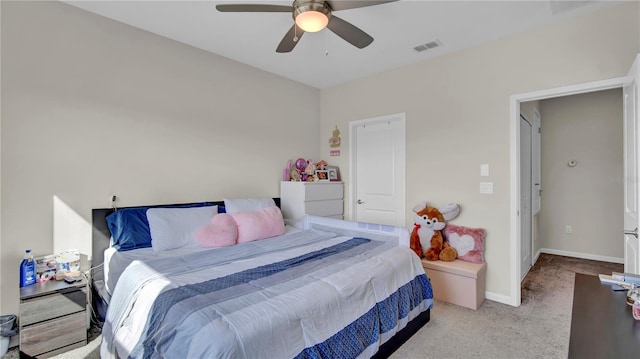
x,y
514,119
353,180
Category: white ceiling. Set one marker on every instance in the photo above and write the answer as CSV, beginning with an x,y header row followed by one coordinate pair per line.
x,y
322,59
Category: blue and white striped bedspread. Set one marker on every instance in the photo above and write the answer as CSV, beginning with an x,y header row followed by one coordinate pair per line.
x,y
308,294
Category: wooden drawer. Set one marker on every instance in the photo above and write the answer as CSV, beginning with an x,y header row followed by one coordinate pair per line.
x,y
62,350
324,208
51,306
53,334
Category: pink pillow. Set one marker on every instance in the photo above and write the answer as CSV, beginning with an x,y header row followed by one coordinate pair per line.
x,y
260,224
468,242
222,232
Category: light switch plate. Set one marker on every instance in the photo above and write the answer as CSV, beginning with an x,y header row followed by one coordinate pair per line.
x,y
486,187
484,170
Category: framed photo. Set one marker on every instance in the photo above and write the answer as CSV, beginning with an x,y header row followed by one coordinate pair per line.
x,y
323,175
334,173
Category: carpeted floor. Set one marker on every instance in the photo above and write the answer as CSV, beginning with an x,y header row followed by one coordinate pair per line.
x,y
539,328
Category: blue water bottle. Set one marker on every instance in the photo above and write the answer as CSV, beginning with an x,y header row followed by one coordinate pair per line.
x,y
27,269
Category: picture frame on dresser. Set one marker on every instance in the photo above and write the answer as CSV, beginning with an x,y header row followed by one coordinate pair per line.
x,y
322,175
334,173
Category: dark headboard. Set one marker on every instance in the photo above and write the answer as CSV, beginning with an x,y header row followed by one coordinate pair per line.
x,y
100,236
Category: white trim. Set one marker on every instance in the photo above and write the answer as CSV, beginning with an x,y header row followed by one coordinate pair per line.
x,y
496,297
594,257
402,118
514,298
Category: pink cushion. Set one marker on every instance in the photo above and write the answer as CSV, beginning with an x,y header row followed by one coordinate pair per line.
x,y
260,224
468,242
221,232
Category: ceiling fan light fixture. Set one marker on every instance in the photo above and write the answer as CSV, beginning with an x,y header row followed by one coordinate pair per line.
x,y
311,15
312,21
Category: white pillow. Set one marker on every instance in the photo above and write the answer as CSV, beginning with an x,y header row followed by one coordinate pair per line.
x,y
235,205
172,228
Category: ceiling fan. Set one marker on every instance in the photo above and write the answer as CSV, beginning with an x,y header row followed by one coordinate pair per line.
x,y
313,16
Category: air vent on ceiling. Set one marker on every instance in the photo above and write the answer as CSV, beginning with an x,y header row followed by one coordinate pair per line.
x,y
428,46
560,6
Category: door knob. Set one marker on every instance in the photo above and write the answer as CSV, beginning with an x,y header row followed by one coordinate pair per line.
x,y
359,201
633,233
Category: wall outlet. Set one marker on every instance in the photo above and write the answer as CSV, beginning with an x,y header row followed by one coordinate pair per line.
x,y
568,229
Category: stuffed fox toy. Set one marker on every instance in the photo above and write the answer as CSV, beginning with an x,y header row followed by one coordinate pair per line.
x,y
426,238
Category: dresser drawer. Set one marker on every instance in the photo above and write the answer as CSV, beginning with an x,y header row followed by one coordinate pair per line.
x,y
322,191
324,208
50,306
313,198
52,334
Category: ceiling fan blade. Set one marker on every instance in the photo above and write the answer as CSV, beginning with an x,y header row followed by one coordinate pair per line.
x,y
288,43
337,5
253,8
349,32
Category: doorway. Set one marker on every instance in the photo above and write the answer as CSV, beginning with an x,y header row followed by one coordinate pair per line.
x,y
516,169
583,170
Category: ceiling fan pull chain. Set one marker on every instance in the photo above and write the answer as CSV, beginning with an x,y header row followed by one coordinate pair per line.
x,y
295,33
326,43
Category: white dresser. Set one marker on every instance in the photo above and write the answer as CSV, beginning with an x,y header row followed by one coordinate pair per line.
x,y
315,198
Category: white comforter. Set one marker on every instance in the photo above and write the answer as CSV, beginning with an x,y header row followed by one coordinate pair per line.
x,y
307,294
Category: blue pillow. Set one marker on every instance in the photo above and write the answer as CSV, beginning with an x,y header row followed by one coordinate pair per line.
x,y
129,227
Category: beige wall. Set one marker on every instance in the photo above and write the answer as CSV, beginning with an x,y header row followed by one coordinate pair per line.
x,y
92,108
457,109
587,128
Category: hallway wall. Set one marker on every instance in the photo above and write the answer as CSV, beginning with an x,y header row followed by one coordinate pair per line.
x,y
587,128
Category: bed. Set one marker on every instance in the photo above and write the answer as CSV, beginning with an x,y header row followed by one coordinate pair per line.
x,y
325,288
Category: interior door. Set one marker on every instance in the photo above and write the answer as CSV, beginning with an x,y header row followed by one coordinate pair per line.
x,y
379,192
525,199
631,157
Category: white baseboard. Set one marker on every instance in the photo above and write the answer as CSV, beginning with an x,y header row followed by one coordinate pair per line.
x,y
500,298
594,257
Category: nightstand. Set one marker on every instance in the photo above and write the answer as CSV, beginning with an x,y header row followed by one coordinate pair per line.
x,y
53,318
